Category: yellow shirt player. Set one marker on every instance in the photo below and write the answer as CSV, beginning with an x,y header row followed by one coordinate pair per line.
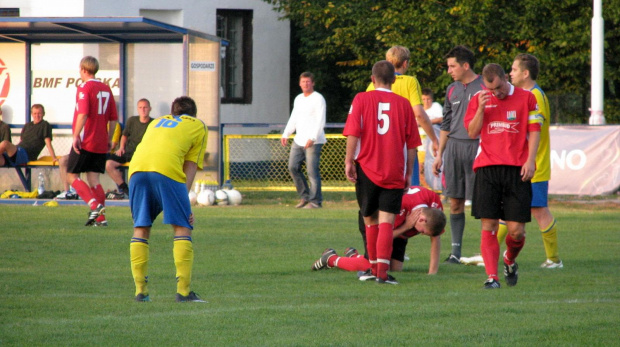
x,y
543,156
161,174
524,73
407,87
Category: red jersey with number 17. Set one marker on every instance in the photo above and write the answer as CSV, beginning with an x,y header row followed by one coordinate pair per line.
x,y
95,99
386,127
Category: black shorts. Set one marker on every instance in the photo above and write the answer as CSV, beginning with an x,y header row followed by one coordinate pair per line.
x,y
499,193
86,162
399,246
125,158
372,198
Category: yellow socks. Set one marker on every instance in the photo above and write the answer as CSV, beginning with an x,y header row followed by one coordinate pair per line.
x,y
183,252
550,240
549,237
139,254
501,232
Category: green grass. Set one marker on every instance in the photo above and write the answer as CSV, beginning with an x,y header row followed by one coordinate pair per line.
x,y
65,284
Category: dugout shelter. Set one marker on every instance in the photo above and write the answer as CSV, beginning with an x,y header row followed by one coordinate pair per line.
x,y
139,58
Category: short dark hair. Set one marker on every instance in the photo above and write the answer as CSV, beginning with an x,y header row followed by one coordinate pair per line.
x,y
307,74
428,91
463,55
183,105
384,72
490,71
530,63
39,106
145,100
436,220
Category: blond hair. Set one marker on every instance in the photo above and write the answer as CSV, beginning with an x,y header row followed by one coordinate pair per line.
x,y
397,55
89,64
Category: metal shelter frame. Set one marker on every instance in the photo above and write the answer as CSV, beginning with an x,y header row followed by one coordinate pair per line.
x,y
92,30
121,30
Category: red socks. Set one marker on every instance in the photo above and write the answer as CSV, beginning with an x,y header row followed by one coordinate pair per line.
x,y
84,191
513,247
384,249
91,196
357,263
372,234
98,194
489,249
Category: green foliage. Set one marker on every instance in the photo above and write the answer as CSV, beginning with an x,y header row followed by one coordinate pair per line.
x,y
340,40
64,284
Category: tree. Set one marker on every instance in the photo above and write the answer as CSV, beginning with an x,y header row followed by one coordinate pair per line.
x,y
340,40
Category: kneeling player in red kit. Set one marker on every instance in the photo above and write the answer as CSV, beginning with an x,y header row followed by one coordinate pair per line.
x,y
421,214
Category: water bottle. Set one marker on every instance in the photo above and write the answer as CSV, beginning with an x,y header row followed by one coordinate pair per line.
x,y
41,183
227,185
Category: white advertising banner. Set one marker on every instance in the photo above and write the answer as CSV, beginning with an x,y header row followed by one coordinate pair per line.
x,y
55,89
585,160
13,82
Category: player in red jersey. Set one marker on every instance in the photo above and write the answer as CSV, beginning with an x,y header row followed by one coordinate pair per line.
x,y
421,214
95,108
379,129
508,122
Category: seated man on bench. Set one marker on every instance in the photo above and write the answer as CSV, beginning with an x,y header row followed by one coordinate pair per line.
x,y
34,136
135,127
5,130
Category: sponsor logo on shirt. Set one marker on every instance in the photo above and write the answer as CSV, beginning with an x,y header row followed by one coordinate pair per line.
x,y
511,115
500,127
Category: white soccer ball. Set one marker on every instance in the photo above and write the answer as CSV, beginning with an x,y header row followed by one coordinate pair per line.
x,y
234,197
206,197
221,198
192,197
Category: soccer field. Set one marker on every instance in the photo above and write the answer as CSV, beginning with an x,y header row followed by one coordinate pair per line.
x,y
68,285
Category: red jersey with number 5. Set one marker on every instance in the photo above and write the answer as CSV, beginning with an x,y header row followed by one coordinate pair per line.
x,y
386,127
95,99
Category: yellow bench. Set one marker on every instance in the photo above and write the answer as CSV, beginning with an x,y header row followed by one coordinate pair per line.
x,y
24,171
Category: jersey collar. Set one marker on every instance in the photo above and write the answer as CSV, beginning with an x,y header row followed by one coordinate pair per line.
x,y
384,90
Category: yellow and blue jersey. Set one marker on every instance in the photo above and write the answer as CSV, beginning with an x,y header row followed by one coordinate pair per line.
x,y
168,142
407,87
543,156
